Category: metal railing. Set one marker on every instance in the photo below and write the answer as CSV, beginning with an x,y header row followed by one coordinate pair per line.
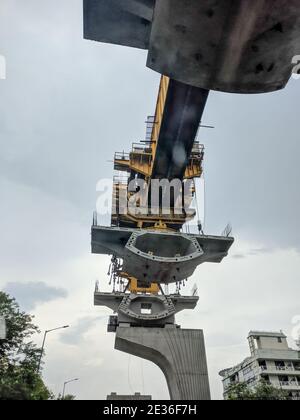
x,y
120,180
121,156
198,148
279,368
289,383
142,149
284,368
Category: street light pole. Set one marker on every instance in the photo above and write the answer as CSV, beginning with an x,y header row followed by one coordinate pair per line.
x,y
43,345
68,382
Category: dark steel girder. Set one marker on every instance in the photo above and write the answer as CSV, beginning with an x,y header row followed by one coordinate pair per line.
x,y
181,119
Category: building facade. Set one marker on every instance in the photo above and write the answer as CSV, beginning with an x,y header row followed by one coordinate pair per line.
x,y
271,360
136,397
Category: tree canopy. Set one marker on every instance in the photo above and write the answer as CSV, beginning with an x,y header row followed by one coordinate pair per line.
x,y
19,379
263,391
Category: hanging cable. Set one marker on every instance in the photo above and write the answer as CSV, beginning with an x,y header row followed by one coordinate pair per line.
x,y
204,198
143,381
200,223
128,374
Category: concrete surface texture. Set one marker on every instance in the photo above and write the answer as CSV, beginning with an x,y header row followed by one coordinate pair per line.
x,y
179,353
145,257
239,46
122,22
144,309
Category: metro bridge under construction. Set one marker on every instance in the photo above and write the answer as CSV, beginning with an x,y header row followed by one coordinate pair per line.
x,y
235,46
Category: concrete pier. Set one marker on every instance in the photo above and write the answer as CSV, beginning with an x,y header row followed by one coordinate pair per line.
x,y
179,353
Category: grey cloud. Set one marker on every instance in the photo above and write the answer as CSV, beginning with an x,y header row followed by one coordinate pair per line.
x,y
74,336
67,105
224,340
261,251
253,253
58,90
238,256
251,166
30,295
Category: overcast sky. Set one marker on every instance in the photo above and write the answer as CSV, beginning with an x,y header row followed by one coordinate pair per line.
x,y
66,106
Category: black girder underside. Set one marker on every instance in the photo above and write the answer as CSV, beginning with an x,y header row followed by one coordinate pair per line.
x,y
181,119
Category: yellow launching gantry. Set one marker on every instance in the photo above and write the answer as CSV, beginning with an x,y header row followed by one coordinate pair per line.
x,y
147,245
169,152
141,159
146,159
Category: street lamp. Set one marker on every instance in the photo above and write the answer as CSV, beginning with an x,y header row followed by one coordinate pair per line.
x,y
2,328
44,340
68,382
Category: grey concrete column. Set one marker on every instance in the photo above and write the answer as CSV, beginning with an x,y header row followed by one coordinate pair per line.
x,y
179,353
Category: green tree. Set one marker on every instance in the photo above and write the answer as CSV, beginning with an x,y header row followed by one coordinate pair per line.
x,y
19,356
263,391
239,391
67,397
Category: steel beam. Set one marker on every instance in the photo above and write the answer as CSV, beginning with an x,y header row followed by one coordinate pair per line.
x,y
182,115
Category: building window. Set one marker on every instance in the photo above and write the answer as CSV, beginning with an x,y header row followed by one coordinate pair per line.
x,y
247,370
234,379
266,379
146,309
297,366
248,373
284,380
279,340
263,364
279,364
